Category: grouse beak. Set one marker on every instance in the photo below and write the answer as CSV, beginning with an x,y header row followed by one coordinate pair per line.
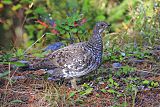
x,y
108,24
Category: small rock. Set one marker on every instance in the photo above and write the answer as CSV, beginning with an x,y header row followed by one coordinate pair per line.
x,y
18,77
23,62
123,54
116,65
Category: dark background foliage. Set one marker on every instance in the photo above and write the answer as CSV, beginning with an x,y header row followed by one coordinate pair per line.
x,y
19,26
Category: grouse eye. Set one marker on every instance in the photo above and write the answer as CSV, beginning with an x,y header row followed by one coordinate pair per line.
x,y
102,25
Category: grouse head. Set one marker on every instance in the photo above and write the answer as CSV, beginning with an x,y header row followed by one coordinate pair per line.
x,y
101,26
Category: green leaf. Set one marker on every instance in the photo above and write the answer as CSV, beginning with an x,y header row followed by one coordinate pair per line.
x,y
154,84
7,2
16,7
4,74
14,63
58,22
71,94
16,101
104,90
86,92
66,27
28,11
145,82
74,30
6,57
19,52
38,55
100,17
116,84
97,95
70,22
111,91
111,80
80,31
85,85
18,64
85,6
58,28
62,31
72,3
39,10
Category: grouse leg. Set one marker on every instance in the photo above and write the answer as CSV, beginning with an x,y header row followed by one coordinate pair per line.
x,y
73,83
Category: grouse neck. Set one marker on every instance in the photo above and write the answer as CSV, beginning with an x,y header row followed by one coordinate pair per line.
x,y
95,41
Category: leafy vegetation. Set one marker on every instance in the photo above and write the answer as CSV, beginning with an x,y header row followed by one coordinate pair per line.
x,y
128,76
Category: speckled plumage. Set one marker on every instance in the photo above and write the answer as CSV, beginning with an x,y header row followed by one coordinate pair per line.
x,y
77,59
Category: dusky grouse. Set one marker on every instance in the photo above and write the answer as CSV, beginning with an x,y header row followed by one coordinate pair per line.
x,y
75,60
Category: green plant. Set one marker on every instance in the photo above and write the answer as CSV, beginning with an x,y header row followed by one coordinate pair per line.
x,y
4,74
154,84
86,90
6,57
114,54
69,28
146,22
